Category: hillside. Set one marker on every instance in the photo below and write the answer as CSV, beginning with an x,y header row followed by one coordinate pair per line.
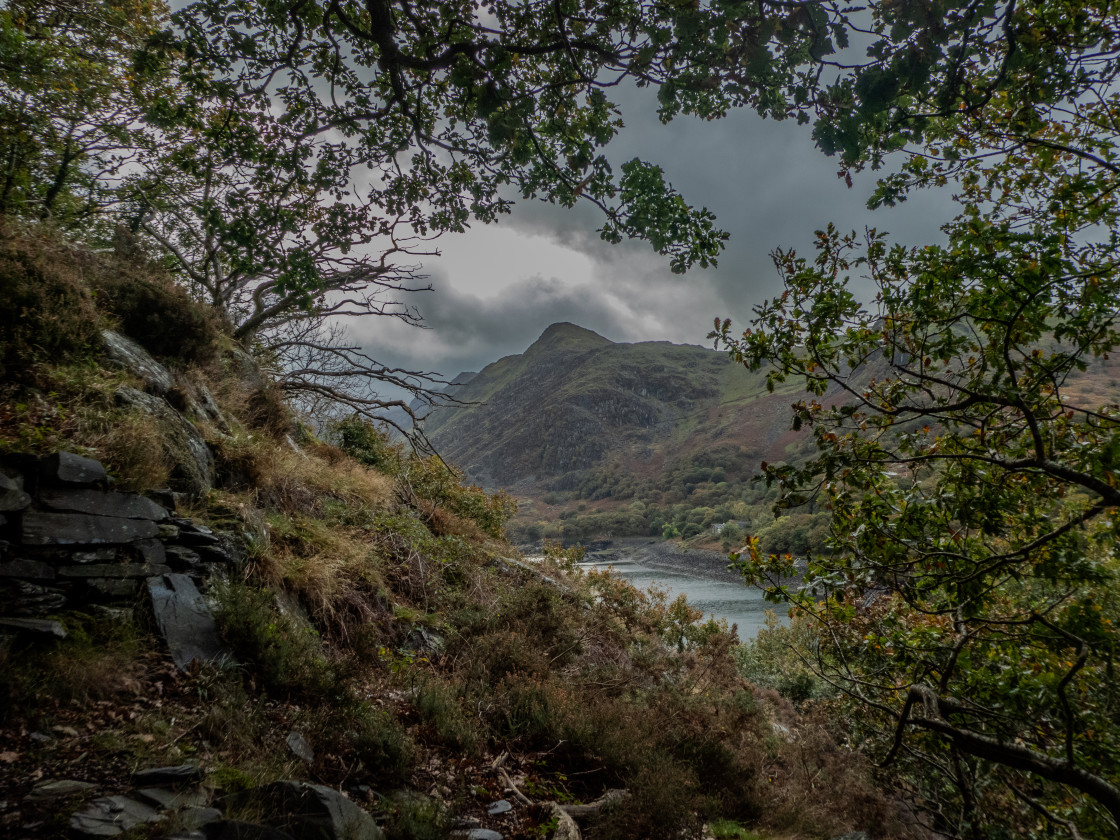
x,y
574,401
580,419
215,624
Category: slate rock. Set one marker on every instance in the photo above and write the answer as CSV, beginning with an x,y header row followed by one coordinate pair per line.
x,y
12,497
183,617
127,354
42,528
299,747
150,551
103,503
23,598
477,834
55,789
315,812
35,625
195,535
179,774
179,557
171,800
196,817
112,570
109,816
237,830
68,468
193,472
27,569
114,589
96,555
168,532
423,640
499,807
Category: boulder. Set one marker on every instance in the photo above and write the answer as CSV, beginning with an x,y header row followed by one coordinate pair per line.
x,y
102,503
315,812
183,617
194,464
44,528
68,468
127,354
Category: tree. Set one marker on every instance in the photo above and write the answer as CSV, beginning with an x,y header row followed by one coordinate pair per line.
x,y
70,108
966,418
304,153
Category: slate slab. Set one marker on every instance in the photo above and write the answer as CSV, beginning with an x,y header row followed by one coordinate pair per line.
x,y
27,569
46,528
299,747
103,503
171,800
54,789
68,468
477,834
12,497
110,816
315,812
112,570
35,625
237,830
499,807
114,589
126,353
184,619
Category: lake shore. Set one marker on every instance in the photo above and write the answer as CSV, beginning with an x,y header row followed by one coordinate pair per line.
x,y
663,554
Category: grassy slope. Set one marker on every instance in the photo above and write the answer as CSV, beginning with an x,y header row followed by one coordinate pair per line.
x,y
357,554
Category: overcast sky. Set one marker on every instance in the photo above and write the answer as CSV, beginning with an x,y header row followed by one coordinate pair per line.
x,y
499,286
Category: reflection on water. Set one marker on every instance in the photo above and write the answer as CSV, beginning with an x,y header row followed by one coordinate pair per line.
x,y
736,602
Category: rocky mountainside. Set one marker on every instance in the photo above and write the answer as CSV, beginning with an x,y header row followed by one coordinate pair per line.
x,y
574,402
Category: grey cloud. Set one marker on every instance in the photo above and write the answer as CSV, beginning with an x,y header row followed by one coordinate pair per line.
x,y
765,182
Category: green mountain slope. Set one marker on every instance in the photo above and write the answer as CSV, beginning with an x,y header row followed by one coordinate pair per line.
x,y
594,420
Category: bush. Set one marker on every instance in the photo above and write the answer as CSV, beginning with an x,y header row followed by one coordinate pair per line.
x,y
157,314
286,651
47,313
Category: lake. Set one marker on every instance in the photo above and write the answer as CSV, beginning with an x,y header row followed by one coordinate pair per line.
x,y
739,604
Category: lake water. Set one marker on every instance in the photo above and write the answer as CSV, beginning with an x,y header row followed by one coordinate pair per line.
x,y
739,604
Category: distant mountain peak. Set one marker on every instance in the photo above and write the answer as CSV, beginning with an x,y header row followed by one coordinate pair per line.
x,y
567,336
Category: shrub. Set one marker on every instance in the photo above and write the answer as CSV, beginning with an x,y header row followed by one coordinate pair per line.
x,y
47,313
286,651
157,314
443,717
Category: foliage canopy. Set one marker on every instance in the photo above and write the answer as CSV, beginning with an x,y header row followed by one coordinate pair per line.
x,y
965,418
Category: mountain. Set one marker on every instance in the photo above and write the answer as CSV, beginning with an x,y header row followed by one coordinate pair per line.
x,y
575,403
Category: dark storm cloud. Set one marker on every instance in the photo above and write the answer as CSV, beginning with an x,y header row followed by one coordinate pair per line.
x,y
496,290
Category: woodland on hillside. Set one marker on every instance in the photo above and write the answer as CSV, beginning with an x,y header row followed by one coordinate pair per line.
x,y
962,608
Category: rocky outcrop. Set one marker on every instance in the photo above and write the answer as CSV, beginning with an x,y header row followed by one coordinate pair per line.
x,y
67,540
